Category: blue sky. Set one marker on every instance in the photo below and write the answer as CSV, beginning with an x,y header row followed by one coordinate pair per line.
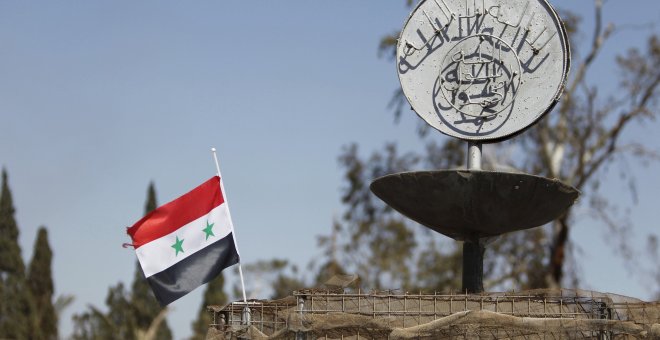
x,y
99,98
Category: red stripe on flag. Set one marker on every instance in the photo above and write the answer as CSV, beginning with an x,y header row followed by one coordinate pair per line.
x,y
168,218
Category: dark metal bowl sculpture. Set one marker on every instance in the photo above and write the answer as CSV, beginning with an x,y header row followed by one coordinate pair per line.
x,y
470,205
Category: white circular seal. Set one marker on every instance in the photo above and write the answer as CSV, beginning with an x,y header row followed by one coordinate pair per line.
x,y
483,70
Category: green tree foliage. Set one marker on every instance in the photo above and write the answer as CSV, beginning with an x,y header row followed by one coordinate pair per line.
x,y
575,144
40,282
332,266
378,243
117,323
134,314
145,306
213,295
16,306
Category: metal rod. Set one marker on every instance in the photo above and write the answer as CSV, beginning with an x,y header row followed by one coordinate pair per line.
x,y
474,156
233,233
473,250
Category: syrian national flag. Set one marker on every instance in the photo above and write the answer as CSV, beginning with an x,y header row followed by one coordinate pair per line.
x,y
185,243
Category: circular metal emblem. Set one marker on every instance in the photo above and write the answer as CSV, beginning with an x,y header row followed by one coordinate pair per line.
x,y
482,70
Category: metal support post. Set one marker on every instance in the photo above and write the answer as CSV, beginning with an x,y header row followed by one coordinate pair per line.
x,y
300,335
473,266
474,156
473,250
246,316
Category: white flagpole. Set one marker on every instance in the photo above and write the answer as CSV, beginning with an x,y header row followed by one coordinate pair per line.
x,y
233,233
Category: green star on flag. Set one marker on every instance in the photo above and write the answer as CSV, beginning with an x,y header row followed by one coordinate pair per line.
x,y
208,230
178,246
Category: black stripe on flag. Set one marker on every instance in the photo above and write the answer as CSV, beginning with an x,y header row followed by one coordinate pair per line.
x,y
194,271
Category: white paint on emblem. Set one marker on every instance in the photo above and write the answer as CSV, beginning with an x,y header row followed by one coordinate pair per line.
x,y
482,70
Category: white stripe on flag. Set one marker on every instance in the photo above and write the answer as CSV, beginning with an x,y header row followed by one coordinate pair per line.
x,y
160,254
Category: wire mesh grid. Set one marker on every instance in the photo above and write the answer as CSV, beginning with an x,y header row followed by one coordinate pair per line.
x,y
562,314
267,316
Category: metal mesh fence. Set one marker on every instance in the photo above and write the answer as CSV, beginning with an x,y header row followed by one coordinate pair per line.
x,y
540,314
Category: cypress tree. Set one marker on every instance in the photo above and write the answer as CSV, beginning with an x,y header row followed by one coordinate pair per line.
x,y
10,252
40,282
146,307
214,295
16,317
130,313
